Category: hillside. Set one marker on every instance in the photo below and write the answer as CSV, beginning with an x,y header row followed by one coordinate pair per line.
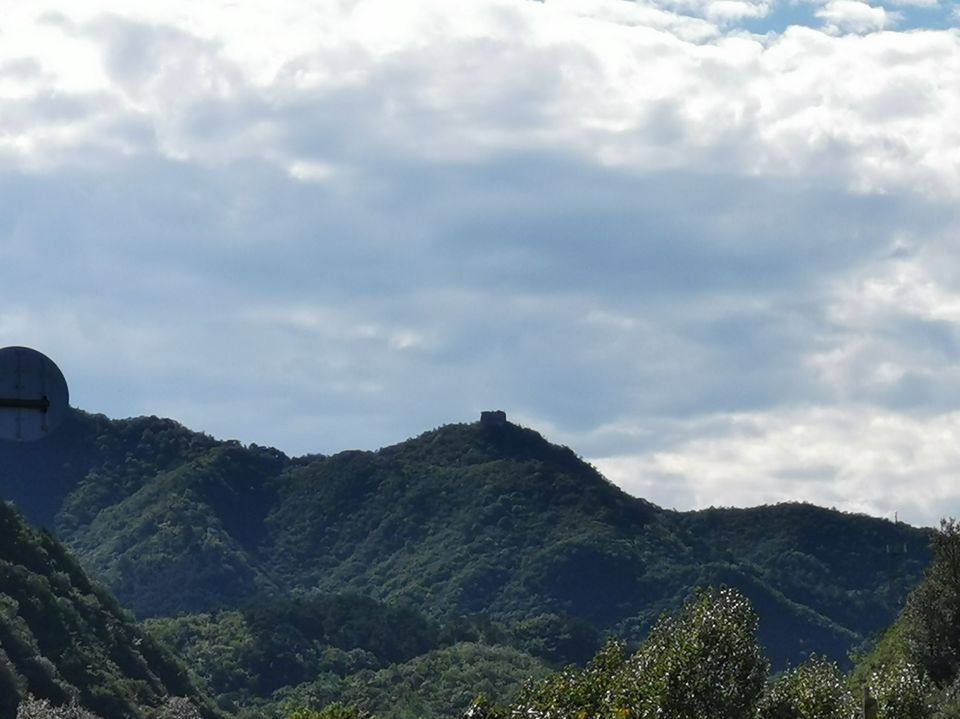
x,y
63,638
462,520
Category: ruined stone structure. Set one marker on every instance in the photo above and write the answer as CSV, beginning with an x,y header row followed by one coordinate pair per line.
x,y
494,418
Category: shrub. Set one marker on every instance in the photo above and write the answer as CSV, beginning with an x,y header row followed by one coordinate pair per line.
x,y
813,690
31,708
901,691
704,662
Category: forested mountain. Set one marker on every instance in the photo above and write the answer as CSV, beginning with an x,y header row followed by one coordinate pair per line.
x,y
279,655
64,639
465,523
705,661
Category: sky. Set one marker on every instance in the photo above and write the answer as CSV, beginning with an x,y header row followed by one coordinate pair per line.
x,y
711,245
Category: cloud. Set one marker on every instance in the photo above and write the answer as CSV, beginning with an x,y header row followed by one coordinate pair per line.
x,y
927,4
895,336
855,16
637,96
640,227
855,458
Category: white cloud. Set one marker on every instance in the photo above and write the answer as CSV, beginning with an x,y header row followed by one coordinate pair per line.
x,y
635,223
312,171
623,83
856,459
883,436
854,16
727,11
892,336
927,4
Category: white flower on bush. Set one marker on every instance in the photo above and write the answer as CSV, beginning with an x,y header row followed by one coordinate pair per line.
x,y
30,708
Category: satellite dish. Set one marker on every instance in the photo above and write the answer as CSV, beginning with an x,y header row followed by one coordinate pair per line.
x,y
33,395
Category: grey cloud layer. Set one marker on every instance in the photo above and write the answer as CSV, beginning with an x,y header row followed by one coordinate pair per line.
x,y
639,229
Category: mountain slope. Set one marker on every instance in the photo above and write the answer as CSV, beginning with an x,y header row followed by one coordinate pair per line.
x,y
62,638
468,519
464,519
184,540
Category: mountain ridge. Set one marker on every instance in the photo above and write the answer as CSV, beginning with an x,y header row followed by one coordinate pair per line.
x,y
460,520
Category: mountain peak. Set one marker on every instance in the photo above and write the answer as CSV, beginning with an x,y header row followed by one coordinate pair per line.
x,y
478,442
485,516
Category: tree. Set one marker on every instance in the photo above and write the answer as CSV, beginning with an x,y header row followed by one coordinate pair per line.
x,y
31,708
179,708
331,711
173,708
914,670
814,690
932,616
902,692
574,692
704,662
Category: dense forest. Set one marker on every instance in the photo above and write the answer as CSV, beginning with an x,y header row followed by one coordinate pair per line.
x,y
407,581
67,652
705,661
65,640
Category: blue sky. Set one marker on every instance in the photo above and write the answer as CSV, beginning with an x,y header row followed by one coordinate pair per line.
x,y
709,244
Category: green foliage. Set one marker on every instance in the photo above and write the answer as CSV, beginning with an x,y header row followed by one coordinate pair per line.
x,y
313,651
331,711
92,462
441,683
346,621
560,639
179,708
31,708
706,661
182,541
946,701
460,520
814,690
914,669
483,708
902,692
703,662
64,641
484,534
592,691
931,620
240,656
832,580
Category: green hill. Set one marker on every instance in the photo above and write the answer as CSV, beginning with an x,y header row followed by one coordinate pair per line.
x,y
62,638
463,520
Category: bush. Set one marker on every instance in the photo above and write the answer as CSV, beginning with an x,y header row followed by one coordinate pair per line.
x,y
331,711
179,708
575,692
901,691
813,690
173,708
932,615
31,708
705,662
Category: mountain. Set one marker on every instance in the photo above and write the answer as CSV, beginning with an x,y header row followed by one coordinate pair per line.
x,y
463,520
62,638
279,655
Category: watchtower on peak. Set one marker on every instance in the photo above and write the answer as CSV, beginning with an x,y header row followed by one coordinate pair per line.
x,y
493,418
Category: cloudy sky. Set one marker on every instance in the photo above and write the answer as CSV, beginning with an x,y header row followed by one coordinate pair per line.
x,y
712,245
